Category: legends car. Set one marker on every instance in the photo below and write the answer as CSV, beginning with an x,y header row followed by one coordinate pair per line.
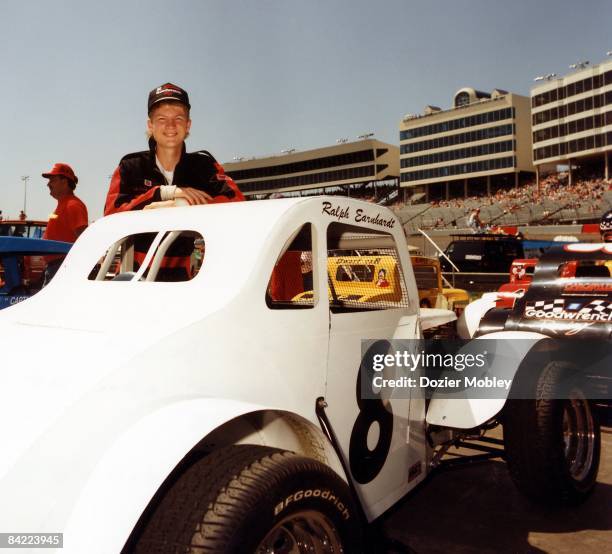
x,y
26,228
22,266
567,307
375,277
483,253
430,282
567,295
521,275
477,262
492,252
367,278
210,410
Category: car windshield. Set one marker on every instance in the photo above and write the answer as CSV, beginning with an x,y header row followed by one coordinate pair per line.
x,y
21,230
355,272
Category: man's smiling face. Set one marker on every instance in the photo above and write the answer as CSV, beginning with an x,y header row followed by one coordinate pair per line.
x,y
169,124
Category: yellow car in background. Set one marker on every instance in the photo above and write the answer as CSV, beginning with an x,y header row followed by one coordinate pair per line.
x,y
432,293
376,278
369,278
372,278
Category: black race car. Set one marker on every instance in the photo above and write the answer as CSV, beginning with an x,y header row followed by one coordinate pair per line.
x,y
570,296
563,380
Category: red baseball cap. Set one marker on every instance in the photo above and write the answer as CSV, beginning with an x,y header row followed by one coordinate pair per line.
x,y
64,170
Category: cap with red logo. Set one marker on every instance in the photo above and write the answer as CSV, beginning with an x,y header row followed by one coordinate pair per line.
x,y
63,170
167,92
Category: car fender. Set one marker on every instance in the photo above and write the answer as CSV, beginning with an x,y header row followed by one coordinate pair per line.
x,y
466,413
433,317
135,466
469,320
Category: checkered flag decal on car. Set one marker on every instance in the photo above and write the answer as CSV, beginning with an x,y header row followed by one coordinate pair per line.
x,y
556,305
601,307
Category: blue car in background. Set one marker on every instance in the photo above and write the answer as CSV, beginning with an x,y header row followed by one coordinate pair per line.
x,y
28,228
22,266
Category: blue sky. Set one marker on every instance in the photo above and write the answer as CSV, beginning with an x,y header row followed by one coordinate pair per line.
x,y
262,75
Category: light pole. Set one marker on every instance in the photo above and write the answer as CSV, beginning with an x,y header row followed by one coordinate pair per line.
x,y
25,178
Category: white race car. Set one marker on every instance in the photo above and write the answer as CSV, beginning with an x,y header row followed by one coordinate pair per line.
x,y
172,390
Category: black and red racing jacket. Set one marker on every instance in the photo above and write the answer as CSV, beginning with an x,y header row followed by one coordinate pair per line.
x,y
136,183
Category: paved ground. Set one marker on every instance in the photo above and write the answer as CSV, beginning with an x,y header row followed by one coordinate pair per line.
x,y
477,509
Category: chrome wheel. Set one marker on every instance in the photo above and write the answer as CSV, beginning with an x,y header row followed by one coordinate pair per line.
x,y
302,532
578,435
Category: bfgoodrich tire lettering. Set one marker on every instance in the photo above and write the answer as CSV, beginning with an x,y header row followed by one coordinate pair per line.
x,y
249,498
553,446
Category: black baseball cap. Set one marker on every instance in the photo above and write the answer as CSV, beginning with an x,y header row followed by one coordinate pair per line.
x,y
167,92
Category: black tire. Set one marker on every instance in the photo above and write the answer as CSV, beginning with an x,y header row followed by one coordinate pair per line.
x,y
238,497
553,445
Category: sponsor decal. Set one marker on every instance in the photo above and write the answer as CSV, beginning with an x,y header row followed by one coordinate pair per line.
x,y
519,271
568,329
165,90
587,288
344,212
305,494
363,260
589,247
576,328
596,311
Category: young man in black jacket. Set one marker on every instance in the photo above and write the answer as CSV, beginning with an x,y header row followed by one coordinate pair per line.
x,y
166,172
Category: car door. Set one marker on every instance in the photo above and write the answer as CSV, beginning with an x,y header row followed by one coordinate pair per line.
x,y
380,437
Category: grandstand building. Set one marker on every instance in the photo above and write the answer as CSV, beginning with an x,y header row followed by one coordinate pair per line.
x,y
480,145
572,120
365,167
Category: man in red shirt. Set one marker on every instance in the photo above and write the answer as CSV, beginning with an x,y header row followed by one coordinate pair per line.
x,y
69,219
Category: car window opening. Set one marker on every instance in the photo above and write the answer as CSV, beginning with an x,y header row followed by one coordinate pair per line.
x,y
169,256
291,283
364,270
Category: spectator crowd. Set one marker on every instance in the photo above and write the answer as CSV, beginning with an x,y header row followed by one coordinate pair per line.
x,y
552,200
